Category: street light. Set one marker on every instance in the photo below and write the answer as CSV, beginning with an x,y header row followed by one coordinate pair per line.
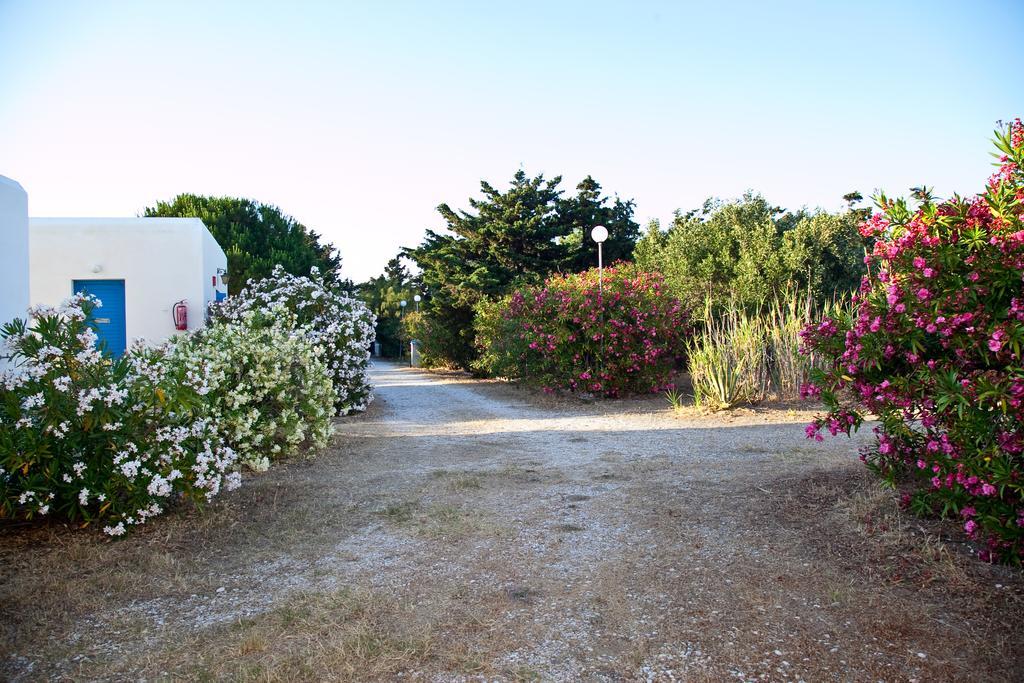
x,y
599,235
401,316
417,299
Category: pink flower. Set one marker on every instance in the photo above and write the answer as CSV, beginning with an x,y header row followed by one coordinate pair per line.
x,y
809,390
812,431
995,342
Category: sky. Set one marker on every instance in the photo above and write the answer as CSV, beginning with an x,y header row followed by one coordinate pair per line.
x,y
359,118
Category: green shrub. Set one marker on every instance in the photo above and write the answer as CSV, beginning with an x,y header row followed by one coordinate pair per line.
x,y
569,335
90,439
746,253
270,393
435,340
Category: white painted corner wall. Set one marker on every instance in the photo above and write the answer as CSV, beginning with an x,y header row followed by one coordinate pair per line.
x,y
14,250
215,265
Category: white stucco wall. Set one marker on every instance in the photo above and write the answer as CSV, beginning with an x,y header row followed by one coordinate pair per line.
x,y
161,260
14,252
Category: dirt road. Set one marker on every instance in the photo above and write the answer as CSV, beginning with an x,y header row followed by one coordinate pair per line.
x,y
464,530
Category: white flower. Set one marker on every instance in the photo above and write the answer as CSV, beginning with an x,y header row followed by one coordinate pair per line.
x,y
87,338
33,401
159,487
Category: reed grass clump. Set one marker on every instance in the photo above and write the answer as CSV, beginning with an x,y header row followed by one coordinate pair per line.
x,y
742,357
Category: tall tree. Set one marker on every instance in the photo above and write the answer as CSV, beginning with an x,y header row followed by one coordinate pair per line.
x,y
586,209
255,237
519,236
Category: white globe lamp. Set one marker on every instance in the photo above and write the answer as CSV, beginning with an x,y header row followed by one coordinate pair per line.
x,y
599,234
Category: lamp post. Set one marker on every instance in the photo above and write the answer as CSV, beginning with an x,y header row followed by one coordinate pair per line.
x,y
401,316
417,299
599,234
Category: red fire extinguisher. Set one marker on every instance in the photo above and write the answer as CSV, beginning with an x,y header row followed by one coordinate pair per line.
x,y
181,315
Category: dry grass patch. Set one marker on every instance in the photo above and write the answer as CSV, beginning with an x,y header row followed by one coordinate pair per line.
x,y
438,521
345,635
816,563
338,636
475,480
459,481
466,482
519,474
49,578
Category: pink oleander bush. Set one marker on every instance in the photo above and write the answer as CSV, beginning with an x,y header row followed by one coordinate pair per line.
x,y
567,335
933,349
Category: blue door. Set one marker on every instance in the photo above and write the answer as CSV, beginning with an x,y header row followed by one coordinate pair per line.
x,y
109,317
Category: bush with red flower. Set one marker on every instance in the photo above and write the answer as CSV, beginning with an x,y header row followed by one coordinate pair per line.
x,y
933,348
569,335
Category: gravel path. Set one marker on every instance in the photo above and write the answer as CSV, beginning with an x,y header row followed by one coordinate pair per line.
x,y
491,534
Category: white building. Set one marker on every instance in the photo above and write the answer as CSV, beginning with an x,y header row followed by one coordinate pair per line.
x,y
13,250
142,269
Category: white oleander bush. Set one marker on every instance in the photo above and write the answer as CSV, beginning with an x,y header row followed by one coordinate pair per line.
x,y
270,393
341,325
95,440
